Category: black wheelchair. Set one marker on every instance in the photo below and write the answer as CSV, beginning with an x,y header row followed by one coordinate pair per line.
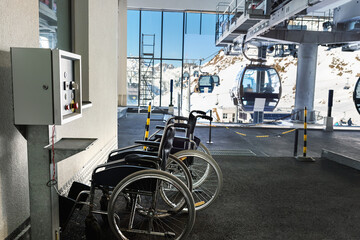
x,y
142,198
205,173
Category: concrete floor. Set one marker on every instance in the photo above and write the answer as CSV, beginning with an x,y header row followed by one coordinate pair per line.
x,y
266,197
276,144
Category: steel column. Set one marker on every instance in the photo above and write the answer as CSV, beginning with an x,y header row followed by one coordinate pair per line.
x,y
305,82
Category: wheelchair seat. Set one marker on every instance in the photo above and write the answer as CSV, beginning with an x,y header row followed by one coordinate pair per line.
x,y
121,165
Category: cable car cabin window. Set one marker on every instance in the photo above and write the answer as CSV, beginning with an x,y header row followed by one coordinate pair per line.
x,y
206,84
273,83
206,81
249,82
216,80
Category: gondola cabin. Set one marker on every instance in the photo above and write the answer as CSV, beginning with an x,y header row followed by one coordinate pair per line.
x,y
186,75
257,81
357,95
196,73
206,84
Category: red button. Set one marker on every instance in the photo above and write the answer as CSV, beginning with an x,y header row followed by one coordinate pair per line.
x,y
67,107
75,105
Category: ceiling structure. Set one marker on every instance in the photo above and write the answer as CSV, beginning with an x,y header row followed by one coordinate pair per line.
x,y
174,5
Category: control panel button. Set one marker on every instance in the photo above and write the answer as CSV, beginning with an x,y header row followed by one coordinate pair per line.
x,y
75,106
67,107
66,85
74,85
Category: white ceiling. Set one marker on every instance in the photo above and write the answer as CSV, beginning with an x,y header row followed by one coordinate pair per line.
x,y
175,5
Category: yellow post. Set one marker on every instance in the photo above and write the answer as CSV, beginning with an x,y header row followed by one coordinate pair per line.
x,y
305,133
147,124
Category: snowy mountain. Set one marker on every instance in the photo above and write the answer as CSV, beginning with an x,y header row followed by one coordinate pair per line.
x,y
336,70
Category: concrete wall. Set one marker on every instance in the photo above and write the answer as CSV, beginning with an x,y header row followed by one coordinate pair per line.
x,y
19,21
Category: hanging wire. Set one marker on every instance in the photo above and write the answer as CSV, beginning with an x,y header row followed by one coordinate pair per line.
x,y
53,181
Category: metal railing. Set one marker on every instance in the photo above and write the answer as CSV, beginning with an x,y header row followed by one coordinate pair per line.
x,y
317,21
227,13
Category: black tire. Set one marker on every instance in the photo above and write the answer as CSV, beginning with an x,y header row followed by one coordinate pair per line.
x,y
206,177
149,209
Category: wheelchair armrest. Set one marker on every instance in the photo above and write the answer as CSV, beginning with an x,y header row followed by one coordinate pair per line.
x,y
142,157
184,139
148,143
131,159
116,151
181,126
122,155
177,138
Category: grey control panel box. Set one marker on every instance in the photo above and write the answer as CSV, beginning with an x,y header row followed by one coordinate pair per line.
x,y
46,86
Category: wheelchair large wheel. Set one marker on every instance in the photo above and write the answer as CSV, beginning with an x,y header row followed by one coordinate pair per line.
x,y
206,176
203,148
137,209
177,168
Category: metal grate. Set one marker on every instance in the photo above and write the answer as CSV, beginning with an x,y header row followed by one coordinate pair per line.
x,y
235,152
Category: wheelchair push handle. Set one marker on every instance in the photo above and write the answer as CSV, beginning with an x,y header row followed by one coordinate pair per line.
x,y
206,117
179,118
198,112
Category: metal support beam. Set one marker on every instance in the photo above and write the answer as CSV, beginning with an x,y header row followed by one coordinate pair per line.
x,y
316,37
305,82
44,206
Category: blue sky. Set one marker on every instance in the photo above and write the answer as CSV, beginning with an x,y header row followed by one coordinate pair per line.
x,y
196,45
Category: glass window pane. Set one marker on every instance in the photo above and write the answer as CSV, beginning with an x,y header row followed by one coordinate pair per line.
x,y
151,34
55,24
132,82
192,23
173,32
133,33
202,46
155,82
170,70
208,24
48,24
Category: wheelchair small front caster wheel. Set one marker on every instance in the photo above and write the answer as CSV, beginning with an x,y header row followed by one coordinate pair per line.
x,y
92,228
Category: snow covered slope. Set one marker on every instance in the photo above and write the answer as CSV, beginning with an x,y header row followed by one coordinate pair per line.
x,y
336,70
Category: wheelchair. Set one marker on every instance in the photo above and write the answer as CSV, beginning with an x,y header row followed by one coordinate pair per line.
x,y
145,201
205,173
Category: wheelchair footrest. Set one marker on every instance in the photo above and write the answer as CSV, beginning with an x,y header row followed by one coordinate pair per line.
x,y
162,234
67,204
75,190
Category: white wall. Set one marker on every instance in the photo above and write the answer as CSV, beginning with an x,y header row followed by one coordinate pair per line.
x,y
99,44
19,21
197,5
122,41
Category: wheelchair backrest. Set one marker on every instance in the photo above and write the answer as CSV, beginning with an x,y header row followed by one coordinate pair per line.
x,y
166,144
193,116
